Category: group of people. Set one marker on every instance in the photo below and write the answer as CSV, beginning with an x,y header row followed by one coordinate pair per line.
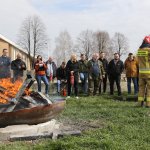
x,y
93,73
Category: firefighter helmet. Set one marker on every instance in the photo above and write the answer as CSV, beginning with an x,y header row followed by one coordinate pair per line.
x,y
147,39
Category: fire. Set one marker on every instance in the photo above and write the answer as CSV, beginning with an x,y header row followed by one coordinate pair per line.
x,y
8,89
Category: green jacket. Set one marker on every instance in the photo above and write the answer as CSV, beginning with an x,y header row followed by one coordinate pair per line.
x,y
90,68
83,66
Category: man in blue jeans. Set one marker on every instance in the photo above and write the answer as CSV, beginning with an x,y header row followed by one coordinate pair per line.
x,y
83,69
132,68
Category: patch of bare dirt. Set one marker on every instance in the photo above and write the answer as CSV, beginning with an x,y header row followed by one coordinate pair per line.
x,y
82,125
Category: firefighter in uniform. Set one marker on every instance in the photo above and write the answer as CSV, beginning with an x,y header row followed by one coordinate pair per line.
x,y
144,72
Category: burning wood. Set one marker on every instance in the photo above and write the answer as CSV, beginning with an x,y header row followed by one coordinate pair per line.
x,y
24,105
8,89
18,94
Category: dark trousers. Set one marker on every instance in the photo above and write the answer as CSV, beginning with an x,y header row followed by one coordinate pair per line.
x,y
104,83
116,79
75,86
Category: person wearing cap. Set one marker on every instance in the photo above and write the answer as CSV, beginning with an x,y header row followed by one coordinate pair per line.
x,y
83,69
115,69
104,61
144,72
132,68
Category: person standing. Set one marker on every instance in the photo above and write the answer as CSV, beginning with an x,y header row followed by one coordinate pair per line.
x,y
18,66
5,63
61,77
83,69
40,74
144,72
72,69
115,69
132,68
95,74
51,69
105,66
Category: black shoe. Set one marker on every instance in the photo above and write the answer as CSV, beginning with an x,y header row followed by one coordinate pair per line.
x,y
119,94
111,93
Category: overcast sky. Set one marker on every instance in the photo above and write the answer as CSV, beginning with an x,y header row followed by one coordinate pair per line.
x,y
130,17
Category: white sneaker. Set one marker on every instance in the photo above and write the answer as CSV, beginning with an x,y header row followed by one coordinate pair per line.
x,y
47,95
67,97
77,97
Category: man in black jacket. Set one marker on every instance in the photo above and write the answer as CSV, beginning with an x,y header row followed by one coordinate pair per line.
x,y
115,68
105,66
18,66
61,76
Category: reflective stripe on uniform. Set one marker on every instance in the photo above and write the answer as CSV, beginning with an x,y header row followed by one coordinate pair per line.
x,y
147,63
144,71
148,99
142,53
140,99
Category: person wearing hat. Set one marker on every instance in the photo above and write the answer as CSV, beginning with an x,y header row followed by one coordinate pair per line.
x,y
83,69
104,61
144,72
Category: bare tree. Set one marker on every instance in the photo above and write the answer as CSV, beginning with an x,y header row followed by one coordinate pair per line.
x,y
32,37
119,43
86,43
64,46
103,41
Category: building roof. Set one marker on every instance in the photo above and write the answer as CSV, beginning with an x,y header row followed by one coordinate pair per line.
x,y
12,43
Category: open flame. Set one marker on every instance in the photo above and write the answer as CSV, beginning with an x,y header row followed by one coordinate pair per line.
x,y
8,89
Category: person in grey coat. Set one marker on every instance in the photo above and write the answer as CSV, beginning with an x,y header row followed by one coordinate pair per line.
x,y
51,68
5,62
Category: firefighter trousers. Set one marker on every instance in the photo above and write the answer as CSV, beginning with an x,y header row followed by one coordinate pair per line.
x,y
144,89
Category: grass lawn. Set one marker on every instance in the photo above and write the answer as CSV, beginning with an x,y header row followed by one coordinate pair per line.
x,y
106,124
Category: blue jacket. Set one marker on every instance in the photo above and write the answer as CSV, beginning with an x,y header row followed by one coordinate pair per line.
x,y
5,67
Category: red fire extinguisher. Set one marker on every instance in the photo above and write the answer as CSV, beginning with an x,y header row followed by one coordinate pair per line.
x,y
51,77
64,92
72,79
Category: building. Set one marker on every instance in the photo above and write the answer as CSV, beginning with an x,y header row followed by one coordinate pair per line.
x,y
13,50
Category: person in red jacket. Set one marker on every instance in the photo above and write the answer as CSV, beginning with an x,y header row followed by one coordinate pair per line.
x,y
40,74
